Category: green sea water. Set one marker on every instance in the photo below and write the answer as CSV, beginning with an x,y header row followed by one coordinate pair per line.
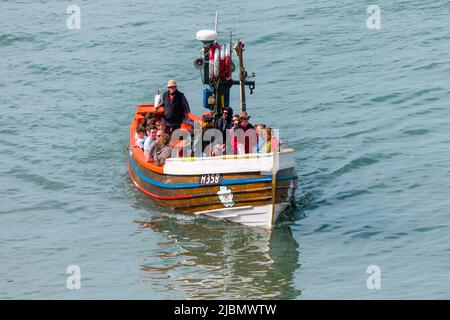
x,y
367,112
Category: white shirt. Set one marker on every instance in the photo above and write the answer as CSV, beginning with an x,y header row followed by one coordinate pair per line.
x,y
140,142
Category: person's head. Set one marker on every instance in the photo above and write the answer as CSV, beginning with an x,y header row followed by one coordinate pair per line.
x,y
165,139
149,115
243,116
159,135
226,113
150,122
172,86
140,131
267,133
235,121
207,120
151,132
259,127
148,131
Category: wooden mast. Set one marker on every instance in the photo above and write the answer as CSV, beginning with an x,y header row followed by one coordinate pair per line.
x,y
274,188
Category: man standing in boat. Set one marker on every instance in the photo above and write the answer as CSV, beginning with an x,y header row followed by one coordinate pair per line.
x,y
176,107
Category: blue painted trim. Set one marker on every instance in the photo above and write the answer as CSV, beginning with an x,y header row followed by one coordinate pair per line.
x,y
196,185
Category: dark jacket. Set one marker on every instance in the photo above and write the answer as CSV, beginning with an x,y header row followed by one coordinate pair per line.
x,y
174,110
223,124
249,126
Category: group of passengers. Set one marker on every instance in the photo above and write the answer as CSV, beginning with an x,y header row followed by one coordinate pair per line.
x,y
154,143
265,140
153,136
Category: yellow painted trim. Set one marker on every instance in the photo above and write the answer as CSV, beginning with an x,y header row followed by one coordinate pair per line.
x,y
239,156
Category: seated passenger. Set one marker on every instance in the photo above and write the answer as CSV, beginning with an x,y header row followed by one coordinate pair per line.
x,y
237,147
141,136
152,150
147,119
245,125
151,139
224,122
207,123
261,140
235,123
163,151
251,139
271,144
151,123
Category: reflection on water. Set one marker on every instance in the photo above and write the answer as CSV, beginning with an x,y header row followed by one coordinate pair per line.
x,y
205,259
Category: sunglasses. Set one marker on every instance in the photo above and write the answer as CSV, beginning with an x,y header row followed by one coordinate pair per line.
x,y
159,135
225,112
172,87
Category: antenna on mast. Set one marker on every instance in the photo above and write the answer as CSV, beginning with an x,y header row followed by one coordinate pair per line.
x,y
216,25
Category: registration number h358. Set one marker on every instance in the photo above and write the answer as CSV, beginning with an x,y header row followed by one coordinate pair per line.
x,y
213,178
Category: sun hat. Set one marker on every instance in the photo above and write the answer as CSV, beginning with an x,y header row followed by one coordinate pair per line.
x,y
171,83
244,115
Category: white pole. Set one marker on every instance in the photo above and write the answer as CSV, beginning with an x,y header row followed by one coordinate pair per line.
x,y
216,27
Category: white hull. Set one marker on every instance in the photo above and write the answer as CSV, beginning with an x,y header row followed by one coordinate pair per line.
x,y
253,216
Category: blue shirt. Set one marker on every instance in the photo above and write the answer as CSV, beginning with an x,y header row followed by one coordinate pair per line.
x,y
260,145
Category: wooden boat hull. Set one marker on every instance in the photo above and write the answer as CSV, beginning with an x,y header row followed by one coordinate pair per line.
x,y
237,188
251,192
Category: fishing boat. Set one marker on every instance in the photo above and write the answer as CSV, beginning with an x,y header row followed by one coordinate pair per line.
x,y
251,189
